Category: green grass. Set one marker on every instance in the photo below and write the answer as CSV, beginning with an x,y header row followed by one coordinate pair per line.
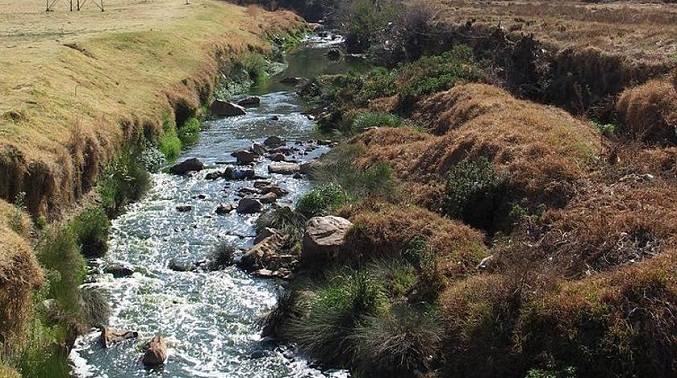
x,y
189,132
169,142
123,182
322,201
91,229
374,119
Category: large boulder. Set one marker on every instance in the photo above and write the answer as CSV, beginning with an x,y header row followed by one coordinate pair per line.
x,y
190,165
265,255
259,149
250,102
238,174
226,109
156,352
273,142
284,168
244,157
323,238
111,336
249,206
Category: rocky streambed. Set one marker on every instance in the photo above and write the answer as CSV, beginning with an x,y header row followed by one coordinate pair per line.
x,y
155,274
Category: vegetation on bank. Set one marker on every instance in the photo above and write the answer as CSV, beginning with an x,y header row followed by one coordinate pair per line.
x,y
575,243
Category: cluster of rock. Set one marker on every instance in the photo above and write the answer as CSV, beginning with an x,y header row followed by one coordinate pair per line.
x,y
270,257
155,350
221,108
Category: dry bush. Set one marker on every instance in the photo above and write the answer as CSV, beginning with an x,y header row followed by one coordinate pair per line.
x,y
648,113
384,231
607,227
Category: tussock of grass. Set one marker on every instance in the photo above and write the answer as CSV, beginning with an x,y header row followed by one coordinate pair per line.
x,y
385,231
648,113
375,119
123,182
321,201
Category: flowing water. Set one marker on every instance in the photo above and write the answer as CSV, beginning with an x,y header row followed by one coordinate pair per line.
x,y
209,319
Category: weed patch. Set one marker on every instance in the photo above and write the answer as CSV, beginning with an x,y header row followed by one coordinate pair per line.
x,y
189,132
321,201
368,120
123,182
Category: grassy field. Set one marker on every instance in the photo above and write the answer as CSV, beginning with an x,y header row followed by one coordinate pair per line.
x,y
644,31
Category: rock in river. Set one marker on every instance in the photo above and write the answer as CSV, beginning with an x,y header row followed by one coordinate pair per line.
x,y
224,208
184,208
273,142
249,206
111,336
264,255
250,102
119,270
244,157
156,352
226,109
190,165
284,168
323,238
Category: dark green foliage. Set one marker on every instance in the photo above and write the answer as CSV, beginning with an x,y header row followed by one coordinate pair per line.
x,y
375,119
322,201
90,229
95,307
430,281
567,372
189,132
123,182
473,192
399,342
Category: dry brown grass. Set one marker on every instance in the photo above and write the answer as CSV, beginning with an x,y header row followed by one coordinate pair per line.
x,y
648,113
77,85
384,231
543,150
640,31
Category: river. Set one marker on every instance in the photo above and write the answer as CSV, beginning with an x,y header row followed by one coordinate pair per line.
x,y
208,318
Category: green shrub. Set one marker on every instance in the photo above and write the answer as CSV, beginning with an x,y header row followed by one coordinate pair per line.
x,y
256,67
41,356
473,193
398,276
432,74
189,132
123,182
429,280
222,256
567,372
375,119
322,201
91,229
399,342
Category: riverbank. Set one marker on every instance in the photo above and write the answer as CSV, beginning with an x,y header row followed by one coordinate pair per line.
x,y
81,87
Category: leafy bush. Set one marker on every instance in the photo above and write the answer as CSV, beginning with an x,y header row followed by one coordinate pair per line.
x,y
322,201
396,344
189,132
90,229
375,119
432,74
255,65
473,192
123,182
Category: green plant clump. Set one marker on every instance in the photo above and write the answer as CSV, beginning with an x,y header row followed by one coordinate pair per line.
x,y
189,132
322,201
375,119
473,192
91,229
169,142
123,182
